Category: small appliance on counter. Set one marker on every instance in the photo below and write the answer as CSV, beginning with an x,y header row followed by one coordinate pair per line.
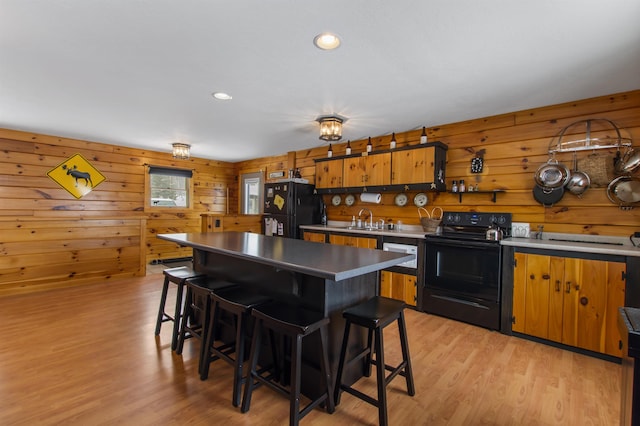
x,y
287,205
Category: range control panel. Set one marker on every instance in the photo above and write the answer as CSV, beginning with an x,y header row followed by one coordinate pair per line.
x,y
474,219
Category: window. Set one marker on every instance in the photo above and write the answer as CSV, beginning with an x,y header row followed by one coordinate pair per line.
x,y
251,193
169,187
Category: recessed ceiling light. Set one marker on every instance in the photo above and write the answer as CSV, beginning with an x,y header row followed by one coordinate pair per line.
x,y
326,41
222,96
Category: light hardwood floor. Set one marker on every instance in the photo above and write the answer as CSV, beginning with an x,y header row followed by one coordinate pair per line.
x,y
88,356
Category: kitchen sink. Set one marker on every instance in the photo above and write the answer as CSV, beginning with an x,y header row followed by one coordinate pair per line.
x,y
362,228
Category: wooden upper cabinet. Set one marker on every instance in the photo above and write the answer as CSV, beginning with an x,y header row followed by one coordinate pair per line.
x,y
329,174
413,166
418,167
368,170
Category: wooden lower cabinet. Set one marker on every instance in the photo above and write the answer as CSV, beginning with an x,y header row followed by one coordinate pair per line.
x,y
399,286
392,284
314,236
569,300
347,240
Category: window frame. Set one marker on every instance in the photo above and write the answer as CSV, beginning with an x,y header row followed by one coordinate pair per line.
x,y
251,174
168,171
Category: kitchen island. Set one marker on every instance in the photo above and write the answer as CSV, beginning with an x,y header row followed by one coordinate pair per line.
x,y
321,277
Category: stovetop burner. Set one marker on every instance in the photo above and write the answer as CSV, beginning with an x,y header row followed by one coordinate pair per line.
x,y
472,225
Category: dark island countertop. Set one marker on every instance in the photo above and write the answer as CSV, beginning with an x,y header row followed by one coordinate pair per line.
x,y
334,262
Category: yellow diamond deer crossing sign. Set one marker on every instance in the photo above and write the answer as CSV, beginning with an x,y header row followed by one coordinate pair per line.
x,y
77,176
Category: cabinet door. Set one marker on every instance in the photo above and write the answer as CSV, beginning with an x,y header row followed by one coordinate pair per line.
x,y
314,236
569,300
537,296
413,166
368,170
616,272
590,304
519,290
399,286
562,271
346,240
329,174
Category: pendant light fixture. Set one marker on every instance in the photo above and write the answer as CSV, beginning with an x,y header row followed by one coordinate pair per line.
x,y
181,151
330,128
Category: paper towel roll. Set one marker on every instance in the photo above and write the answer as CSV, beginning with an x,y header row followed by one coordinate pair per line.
x,y
368,197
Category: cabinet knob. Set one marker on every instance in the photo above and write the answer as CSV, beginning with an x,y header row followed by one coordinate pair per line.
x,y
584,301
546,276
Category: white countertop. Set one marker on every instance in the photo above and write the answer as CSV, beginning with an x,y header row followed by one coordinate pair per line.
x,y
407,231
602,244
619,246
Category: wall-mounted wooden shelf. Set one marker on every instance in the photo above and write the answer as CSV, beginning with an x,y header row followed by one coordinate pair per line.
x,y
493,192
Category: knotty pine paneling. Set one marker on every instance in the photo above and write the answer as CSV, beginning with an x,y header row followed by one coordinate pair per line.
x,y
50,239
513,146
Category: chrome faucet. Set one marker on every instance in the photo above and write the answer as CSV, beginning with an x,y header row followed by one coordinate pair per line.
x,y
370,217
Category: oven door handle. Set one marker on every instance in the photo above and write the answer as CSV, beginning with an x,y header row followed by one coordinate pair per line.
x,y
461,243
466,302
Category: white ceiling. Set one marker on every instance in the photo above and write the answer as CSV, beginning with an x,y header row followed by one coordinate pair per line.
x,y
140,73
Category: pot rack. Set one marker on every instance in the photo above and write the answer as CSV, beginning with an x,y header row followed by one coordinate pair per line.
x,y
588,143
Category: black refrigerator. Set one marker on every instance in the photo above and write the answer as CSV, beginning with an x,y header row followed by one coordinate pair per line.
x,y
287,205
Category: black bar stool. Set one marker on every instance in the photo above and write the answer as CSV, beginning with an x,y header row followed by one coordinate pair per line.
x,y
197,306
178,276
238,303
295,323
374,315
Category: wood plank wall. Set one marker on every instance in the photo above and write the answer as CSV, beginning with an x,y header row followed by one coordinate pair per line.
x,y
50,239
513,146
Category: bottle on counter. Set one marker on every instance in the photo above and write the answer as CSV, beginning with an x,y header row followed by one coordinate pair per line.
x,y
348,150
392,144
369,146
353,221
454,186
461,187
323,218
